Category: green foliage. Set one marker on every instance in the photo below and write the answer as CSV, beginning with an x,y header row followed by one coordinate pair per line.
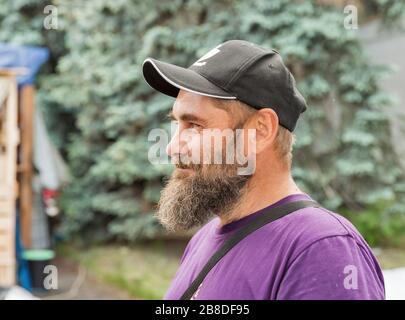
x,y
391,11
21,21
343,156
379,225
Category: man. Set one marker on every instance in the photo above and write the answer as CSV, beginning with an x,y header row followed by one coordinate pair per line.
x,y
311,253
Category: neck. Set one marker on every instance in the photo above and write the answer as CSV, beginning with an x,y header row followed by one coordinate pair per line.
x,y
261,191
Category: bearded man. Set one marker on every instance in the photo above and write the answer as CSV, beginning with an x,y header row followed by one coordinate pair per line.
x,y
287,246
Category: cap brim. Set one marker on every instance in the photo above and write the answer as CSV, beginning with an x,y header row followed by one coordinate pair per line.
x,y
169,79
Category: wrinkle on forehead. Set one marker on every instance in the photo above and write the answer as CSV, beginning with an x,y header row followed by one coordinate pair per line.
x,y
200,106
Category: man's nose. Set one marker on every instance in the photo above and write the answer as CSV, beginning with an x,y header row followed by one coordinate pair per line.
x,y
176,147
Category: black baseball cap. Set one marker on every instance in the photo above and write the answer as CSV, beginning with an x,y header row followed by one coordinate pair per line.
x,y
235,69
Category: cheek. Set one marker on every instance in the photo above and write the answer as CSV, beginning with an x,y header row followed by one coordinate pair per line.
x,y
195,143
193,146
246,142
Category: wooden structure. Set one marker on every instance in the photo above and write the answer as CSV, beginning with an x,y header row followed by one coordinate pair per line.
x,y
16,170
25,164
9,139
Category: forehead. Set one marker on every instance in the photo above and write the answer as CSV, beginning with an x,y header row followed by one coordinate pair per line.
x,y
198,105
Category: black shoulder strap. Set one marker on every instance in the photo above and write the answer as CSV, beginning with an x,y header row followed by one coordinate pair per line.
x,y
269,216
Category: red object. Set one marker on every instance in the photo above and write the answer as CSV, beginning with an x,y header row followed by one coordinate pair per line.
x,y
50,198
49,193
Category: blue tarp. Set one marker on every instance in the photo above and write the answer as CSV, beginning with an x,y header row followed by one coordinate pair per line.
x,y
28,57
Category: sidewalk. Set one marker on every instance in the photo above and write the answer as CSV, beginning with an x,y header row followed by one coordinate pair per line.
x,y
395,283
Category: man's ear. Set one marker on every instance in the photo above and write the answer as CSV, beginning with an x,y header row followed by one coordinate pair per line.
x,y
266,124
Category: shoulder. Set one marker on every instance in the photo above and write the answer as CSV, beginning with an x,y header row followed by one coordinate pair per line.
x,y
316,223
325,250
331,268
305,227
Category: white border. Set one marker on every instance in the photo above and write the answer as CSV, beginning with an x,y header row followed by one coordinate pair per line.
x,y
181,87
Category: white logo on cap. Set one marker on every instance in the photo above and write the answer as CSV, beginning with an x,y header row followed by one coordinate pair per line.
x,y
200,62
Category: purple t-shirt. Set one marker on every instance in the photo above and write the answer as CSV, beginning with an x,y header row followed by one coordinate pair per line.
x,y
311,253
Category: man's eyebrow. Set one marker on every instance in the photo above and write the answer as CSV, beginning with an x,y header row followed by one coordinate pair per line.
x,y
185,117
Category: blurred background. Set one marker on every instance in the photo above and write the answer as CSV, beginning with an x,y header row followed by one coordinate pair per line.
x,y
76,188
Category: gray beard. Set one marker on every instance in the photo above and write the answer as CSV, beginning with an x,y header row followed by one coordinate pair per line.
x,y
190,201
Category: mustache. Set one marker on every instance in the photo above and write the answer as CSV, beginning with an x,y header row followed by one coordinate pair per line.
x,y
198,167
185,166
179,164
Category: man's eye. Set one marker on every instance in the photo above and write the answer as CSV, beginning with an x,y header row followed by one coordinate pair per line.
x,y
195,126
